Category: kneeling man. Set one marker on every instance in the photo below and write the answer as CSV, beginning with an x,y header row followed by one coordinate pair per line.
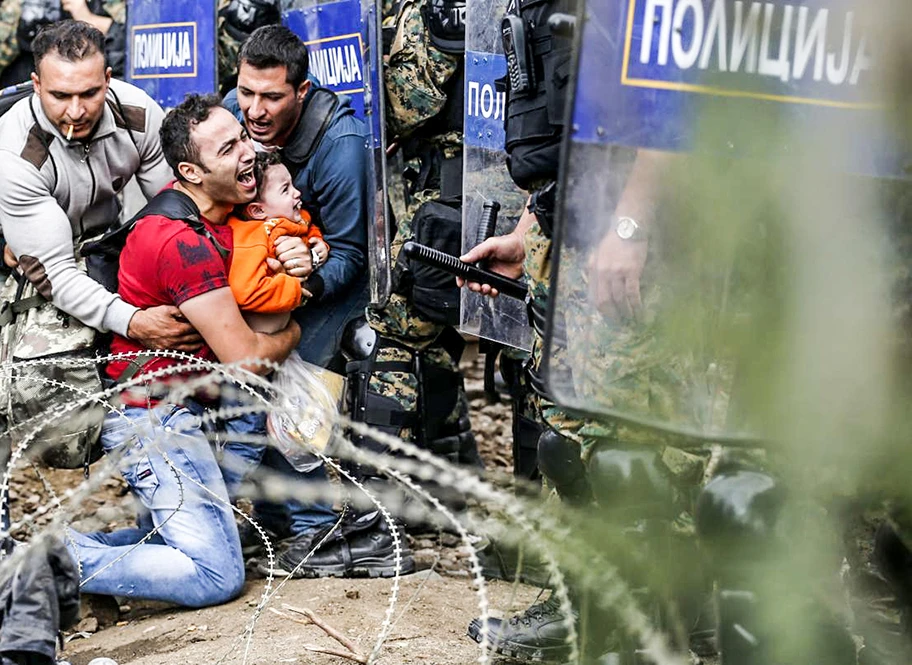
x,y
186,549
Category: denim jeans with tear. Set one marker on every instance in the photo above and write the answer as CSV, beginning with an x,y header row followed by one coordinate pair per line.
x,y
194,558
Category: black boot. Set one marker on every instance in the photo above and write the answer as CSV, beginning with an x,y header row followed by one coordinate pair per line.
x,y
500,561
361,546
539,634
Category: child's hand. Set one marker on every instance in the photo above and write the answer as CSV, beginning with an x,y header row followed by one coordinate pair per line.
x,y
320,251
275,266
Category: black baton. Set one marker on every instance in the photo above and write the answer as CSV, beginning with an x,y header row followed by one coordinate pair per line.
x,y
512,288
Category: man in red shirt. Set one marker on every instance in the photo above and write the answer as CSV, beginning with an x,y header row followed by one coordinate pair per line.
x,y
187,549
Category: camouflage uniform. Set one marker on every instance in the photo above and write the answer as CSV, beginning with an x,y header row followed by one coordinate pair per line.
x,y
649,388
878,531
10,11
227,48
235,23
117,10
415,75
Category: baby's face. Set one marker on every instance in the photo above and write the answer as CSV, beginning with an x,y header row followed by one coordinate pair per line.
x,y
278,195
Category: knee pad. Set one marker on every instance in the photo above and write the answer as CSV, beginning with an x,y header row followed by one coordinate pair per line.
x,y
442,404
526,440
459,445
626,480
736,513
440,393
559,461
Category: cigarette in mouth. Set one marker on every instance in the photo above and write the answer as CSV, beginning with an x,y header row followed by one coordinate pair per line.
x,y
70,133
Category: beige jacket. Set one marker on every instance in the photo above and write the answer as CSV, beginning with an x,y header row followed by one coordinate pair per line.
x,y
54,193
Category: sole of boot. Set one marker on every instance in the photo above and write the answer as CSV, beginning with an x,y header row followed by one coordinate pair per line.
x,y
381,567
521,652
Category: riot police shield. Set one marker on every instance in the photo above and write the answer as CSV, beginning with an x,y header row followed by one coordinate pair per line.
x,y
171,48
492,203
714,155
344,42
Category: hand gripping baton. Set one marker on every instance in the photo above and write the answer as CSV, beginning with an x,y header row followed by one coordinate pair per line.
x,y
512,288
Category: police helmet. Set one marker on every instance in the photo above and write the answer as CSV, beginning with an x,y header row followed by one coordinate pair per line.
x,y
445,20
35,15
244,16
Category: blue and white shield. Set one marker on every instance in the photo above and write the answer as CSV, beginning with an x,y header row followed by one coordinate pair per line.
x,y
344,42
720,249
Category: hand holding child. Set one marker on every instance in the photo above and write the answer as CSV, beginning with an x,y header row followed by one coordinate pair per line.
x,y
320,251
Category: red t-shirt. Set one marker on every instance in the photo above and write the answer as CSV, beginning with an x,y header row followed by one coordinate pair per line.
x,y
165,262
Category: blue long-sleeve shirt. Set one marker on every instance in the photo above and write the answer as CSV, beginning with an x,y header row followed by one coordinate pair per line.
x,y
334,187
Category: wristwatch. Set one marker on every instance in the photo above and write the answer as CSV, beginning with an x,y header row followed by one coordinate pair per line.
x,y
628,229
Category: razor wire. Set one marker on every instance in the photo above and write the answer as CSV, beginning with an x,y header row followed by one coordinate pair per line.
x,y
406,464
214,415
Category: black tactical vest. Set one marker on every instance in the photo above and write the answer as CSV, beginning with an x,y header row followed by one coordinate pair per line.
x,y
535,115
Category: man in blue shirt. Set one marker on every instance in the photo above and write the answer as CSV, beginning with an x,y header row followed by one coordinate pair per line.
x,y
324,147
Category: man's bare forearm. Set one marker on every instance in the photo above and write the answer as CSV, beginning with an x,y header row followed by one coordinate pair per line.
x,y
275,347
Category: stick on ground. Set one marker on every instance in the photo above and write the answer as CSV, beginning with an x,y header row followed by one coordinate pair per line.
x,y
352,652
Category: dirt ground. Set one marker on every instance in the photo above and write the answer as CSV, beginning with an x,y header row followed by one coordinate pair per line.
x,y
432,611
429,625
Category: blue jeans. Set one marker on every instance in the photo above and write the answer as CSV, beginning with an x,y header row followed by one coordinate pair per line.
x,y
240,458
322,325
291,517
195,557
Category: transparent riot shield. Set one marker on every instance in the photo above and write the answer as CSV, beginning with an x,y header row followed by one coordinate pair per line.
x,y
492,203
344,42
714,203
171,48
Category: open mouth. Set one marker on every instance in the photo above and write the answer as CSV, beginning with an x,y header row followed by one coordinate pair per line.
x,y
245,177
257,127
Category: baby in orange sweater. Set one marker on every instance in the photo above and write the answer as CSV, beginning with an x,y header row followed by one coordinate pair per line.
x,y
265,297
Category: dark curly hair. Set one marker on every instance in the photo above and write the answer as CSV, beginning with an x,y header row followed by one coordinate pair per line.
x,y
71,40
263,161
276,46
176,142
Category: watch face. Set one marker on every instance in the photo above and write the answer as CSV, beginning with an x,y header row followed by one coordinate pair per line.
x,y
626,228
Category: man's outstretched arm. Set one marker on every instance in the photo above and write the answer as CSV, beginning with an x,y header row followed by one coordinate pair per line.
x,y
216,316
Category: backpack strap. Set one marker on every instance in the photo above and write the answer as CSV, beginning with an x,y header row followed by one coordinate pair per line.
x,y
169,203
177,205
133,367
315,120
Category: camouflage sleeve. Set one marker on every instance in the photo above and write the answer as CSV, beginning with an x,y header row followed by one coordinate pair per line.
x,y
415,73
228,46
10,12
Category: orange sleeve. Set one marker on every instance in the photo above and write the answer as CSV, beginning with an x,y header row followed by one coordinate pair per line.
x,y
255,287
303,229
313,231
